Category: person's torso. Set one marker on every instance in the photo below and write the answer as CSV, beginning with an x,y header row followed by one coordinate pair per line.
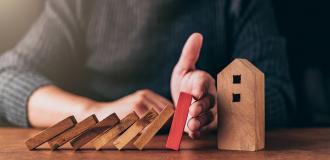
x,y
134,45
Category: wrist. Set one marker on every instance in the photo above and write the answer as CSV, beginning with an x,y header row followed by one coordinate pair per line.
x,y
87,107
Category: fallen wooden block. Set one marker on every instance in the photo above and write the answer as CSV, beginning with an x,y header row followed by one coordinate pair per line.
x,y
108,135
179,121
73,132
154,127
95,130
135,129
50,132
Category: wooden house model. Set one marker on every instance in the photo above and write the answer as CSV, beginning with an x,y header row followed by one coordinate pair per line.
x,y
241,107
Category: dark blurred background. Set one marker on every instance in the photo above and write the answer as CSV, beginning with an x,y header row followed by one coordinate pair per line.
x,y
305,25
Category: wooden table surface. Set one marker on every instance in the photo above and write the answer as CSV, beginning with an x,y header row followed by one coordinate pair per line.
x,y
299,144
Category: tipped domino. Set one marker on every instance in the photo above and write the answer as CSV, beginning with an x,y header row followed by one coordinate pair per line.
x,y
179,121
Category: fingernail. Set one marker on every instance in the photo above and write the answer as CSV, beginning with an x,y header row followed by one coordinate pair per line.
x,y
196,126
200,96
195,111
199,109
197,134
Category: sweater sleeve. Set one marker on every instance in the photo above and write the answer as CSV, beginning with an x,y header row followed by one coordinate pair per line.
x,y
48,50
255,37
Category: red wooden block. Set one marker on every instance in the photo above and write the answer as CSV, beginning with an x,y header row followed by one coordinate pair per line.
x,y
179,121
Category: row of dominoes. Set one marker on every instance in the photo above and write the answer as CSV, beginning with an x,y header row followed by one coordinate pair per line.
x,y
242,124
112,128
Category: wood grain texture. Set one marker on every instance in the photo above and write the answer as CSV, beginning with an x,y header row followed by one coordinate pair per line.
x,y
94,131
241,125
154,127
73,132
179,121
50,132
286,144
109,135
135,129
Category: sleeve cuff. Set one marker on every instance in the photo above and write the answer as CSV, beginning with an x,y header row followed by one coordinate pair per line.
x,y
15,91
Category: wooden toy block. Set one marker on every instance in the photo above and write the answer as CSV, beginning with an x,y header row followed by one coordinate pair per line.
x,y
73,132
241,107
50,132
154,127
94,131
135,129
109,135
179,121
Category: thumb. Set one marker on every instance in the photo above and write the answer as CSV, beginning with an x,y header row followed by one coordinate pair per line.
x,y
190,52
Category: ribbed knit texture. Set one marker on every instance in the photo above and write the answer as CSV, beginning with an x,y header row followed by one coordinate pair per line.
x,y
108,49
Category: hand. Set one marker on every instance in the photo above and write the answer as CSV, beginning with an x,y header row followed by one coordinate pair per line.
x,y
140,102
56,104
199,84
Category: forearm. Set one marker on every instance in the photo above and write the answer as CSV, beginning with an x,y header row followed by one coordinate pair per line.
x,y
52,40
49,104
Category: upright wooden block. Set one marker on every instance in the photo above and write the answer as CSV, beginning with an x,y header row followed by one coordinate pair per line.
x,y
109,135
73,132
135,129
50,132
154,127
179,121
241,107
95,130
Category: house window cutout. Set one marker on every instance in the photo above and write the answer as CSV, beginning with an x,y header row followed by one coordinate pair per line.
x,y
236,79
236,97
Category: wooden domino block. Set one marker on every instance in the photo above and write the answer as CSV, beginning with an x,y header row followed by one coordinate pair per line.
x,y
73,132
95,130
179,121
109,135
135,129
50,132
154,127
241,109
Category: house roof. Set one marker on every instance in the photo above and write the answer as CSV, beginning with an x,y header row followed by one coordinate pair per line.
x,y
246,63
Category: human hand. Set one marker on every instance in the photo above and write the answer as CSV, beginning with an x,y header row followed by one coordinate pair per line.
x,y
56,104
198,83
140,102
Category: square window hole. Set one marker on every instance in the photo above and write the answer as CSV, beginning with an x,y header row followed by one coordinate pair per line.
x,y
236,79
236,97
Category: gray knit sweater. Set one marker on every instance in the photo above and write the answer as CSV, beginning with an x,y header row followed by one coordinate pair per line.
x,y
107,49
